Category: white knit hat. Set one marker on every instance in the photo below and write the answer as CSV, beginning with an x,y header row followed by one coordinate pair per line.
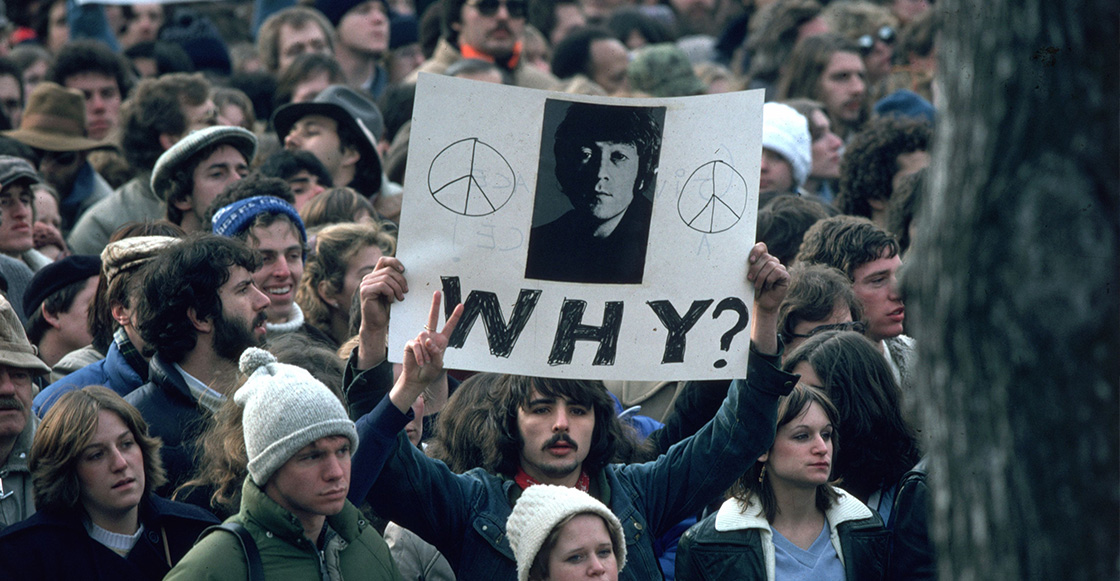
x,y
786,132
540,508
285,409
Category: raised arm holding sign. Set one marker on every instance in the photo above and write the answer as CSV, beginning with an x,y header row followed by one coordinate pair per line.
x,y
586,237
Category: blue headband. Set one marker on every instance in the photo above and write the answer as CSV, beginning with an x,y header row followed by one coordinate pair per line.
x,y
231,220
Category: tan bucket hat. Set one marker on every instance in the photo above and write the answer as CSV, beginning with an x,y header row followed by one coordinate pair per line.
x,y
15,349
55,120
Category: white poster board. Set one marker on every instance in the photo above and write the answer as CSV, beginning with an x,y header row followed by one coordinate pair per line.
x,y
486,218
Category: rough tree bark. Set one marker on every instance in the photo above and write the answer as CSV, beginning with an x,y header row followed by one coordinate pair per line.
x,y
1014,284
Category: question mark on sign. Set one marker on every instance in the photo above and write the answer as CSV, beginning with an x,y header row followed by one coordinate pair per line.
x,y
730,304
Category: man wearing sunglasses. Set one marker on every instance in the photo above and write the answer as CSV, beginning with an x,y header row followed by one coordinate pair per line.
x,y
54,127
490,30
872,27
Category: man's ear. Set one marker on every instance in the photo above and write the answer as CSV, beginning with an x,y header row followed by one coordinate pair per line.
x,y
764,457
184,204
878,204
350,155
121,314
49,317
200,325
166,140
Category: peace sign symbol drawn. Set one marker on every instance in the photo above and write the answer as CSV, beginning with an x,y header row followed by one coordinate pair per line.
x,y
713,198
470,178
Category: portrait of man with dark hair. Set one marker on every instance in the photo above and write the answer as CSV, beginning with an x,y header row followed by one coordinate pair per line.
x,y
604,159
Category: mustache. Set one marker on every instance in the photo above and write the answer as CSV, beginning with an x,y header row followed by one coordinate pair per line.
x,y
561,438
261,319
503,27
11,403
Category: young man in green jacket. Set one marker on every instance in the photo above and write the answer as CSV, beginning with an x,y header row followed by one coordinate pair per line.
x,y
298,439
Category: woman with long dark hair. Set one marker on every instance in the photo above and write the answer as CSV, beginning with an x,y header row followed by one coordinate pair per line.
x,y
785,520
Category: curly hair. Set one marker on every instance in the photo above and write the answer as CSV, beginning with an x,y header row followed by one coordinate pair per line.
x,y
846,242
157,109
327,263
870,161
90,56
611,440
904,205
186,277
66,430
790,407
881,444
585,123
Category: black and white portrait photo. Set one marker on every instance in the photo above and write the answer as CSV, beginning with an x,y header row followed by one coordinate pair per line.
x,y
595,187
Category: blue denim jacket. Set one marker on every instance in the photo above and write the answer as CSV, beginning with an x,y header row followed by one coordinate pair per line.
x,y
464,516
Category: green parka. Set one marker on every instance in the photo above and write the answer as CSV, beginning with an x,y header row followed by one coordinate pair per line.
x,y
357,551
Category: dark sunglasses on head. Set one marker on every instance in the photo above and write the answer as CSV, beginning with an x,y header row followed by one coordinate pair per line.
x,y
515,8
867,42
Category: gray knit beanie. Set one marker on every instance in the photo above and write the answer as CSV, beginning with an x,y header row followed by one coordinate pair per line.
x,y
538,511
285,409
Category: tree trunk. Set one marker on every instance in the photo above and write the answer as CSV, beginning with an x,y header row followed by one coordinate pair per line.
x,y
1014,283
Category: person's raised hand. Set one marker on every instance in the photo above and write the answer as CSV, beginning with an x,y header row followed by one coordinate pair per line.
x,y
423,356
377,292
769,277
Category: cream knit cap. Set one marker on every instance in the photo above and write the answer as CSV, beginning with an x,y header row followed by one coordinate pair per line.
x,y
285,409
786,132
540,508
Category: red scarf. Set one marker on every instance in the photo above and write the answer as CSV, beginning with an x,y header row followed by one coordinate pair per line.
x,y
470,52
525,481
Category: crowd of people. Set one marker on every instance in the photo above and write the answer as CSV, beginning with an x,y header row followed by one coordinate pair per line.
x,y
199,207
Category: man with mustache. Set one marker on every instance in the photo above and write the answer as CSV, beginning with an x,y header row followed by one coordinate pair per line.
x,y
560,432
490,30
198,309
870,257
18,368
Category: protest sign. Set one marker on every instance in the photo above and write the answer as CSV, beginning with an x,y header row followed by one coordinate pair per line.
x,y
588,237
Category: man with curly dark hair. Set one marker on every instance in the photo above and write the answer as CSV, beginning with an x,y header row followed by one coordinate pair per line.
x,y
158,115
887,150
198,309
102,76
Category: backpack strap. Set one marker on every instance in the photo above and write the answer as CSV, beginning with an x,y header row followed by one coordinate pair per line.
x,y
248,546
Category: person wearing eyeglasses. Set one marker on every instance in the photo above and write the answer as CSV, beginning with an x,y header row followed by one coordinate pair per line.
x,y
820,298
490,30
872,27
